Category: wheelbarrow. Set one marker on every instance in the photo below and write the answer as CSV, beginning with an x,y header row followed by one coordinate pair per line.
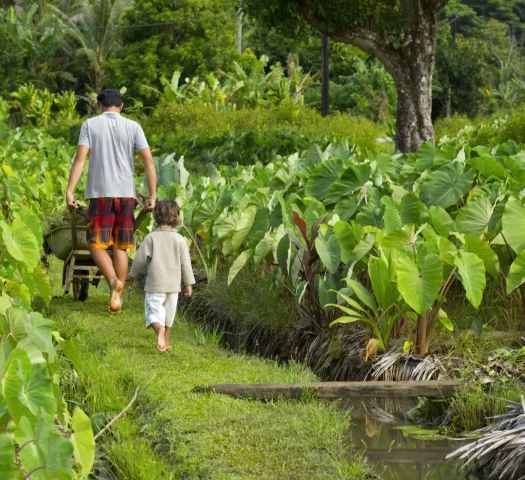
x,y
68,243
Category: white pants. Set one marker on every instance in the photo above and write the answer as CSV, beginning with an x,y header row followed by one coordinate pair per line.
x,y
161,308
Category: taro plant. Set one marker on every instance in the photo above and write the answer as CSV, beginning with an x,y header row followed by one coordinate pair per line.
x,y
321,218
40,438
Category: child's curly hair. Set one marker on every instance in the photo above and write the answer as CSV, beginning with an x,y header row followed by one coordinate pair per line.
x,y
166,212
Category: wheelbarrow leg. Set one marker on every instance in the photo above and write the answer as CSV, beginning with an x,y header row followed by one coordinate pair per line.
x,y
70,269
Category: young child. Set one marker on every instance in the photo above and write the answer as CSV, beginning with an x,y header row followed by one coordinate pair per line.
x,y
165,257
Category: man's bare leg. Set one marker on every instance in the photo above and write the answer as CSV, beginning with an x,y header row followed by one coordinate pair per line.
x,y
120,263
112,271
161,336
167,331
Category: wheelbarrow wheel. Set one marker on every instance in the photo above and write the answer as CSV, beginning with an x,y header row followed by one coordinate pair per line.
x,y
76,288
80,289
84,289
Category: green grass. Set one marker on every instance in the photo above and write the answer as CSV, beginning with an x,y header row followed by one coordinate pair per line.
x,y
173,433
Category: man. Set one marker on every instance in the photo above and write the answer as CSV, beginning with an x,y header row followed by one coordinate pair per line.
x,y
111,141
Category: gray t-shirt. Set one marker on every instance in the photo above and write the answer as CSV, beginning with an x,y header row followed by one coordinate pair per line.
x,y
112,141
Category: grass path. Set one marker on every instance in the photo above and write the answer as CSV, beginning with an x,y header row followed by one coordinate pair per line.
x,y
173,433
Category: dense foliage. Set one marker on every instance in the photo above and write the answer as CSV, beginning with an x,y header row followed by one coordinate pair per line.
x,y
388,235
54,45
40,437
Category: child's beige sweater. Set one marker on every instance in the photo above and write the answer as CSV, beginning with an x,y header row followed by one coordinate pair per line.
x,y
165,257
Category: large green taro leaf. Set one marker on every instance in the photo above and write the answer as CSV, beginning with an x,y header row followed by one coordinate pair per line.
x,y
38,284
475,216
347,239
516,275
13,323
472,273
482,249
392,216
425,156
21,242
40,332
322,179
31,455
82,440
351,180
513,224
489,166
27,388
238,264
441,221
7,458
411,209
284,254
419,284
204,211
329,252
243,227
264,247
446,186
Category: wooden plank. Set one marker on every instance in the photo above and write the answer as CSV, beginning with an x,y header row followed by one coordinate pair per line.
x,y
434,389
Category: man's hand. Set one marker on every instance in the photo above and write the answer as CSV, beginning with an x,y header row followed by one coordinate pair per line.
x,y
188,291
74,175
150,204
71,202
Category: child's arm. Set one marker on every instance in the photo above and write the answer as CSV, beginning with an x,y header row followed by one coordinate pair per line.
x,y
140,262
186,269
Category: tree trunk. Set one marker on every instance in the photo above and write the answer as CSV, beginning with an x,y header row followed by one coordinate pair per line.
x,y
408,56
412,72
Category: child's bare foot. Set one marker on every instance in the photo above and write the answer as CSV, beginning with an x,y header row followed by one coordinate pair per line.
x,y
115,299
161,340
168,347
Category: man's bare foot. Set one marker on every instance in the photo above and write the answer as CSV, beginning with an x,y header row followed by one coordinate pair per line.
x,y
115,299
161,340
168,347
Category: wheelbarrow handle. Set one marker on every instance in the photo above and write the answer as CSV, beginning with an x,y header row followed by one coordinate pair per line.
x,y
140,218
74,238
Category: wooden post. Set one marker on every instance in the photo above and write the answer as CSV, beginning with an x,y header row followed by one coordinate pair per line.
x,y
325,83
239,33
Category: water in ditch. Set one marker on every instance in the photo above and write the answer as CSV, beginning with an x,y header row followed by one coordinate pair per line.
x,y
395,454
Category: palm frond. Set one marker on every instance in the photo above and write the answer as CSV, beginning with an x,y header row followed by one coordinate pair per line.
x,y
399,366
500,453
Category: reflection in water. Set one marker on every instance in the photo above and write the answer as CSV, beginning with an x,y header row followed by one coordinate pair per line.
x,y
396,455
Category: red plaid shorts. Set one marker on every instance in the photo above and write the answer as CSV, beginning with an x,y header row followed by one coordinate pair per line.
x,y
110,222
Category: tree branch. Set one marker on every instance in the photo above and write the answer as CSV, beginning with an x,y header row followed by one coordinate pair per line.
x,y
371,41
128,406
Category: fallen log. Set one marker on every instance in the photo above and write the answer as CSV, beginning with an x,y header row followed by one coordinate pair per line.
x,y
268,391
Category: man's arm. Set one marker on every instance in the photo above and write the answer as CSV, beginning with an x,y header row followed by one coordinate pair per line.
x,y
151,177
74,175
